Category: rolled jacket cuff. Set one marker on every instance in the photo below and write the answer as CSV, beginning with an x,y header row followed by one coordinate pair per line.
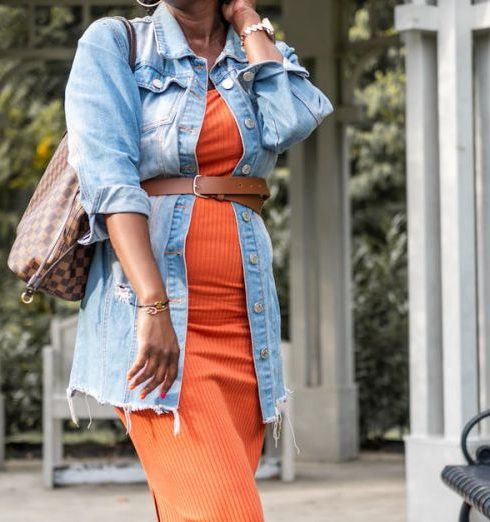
x,y
113,199
266,69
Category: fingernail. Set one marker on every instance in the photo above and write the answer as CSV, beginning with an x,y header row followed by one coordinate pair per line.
x,y
132,386
142,395
163,395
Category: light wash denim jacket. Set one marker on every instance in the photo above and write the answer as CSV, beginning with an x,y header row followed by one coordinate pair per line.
x,y
125,127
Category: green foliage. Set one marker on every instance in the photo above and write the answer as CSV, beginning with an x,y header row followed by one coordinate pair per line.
x,y
378,15
22,335
380,304
31,125
377,191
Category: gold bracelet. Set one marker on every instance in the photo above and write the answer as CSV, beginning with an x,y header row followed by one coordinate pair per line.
x,y
155,307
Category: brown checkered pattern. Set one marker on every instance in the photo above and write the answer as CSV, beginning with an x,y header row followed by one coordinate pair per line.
x,y
45,253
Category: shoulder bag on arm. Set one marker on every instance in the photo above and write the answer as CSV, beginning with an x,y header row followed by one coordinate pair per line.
x,y
46,253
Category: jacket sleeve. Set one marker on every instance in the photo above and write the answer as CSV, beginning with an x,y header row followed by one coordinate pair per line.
x,y
103,120
290,107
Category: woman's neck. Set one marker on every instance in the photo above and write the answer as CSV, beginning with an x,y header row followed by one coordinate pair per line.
x,y
201,21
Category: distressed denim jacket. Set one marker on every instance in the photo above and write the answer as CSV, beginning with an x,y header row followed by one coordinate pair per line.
x,y
124,127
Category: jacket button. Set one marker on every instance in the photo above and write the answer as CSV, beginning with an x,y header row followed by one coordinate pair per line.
x,y
253,258
258,306
264,353
246,215
246,168
157,83
249,123
227,83
248,76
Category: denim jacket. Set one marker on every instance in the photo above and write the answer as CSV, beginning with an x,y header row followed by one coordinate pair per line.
x,y
124,127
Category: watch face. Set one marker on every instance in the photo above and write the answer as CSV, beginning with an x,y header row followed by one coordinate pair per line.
x,y
268,24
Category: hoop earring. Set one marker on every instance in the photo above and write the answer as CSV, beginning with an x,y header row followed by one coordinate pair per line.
x,y
140,2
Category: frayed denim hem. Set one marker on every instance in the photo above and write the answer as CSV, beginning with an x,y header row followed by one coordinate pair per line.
x,y
127,407
277,420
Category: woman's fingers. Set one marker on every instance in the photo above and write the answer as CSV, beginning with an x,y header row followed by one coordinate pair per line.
x,y
154,366
155,369
155,381
137,366
148,371
171,373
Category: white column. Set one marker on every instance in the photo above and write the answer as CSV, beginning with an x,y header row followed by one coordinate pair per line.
x,y
426,416
325,398
482,137
457,212
442,247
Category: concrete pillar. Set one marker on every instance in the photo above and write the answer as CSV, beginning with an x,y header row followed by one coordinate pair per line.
x,y
325,398
482,161
442,246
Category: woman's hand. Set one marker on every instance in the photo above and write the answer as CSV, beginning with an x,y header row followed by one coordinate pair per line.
x,y
236,9
258,46
158,353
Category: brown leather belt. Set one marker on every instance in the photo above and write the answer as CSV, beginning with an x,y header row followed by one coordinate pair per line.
x,y
251,191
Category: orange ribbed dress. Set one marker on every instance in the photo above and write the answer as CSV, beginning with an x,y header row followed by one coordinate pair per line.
x,y
206,473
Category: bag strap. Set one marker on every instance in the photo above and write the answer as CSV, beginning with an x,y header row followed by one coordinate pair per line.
x,y
131,40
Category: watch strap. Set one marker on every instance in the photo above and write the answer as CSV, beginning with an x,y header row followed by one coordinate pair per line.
x,y
263,25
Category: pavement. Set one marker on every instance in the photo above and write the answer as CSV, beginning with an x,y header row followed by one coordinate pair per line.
x,y
368,489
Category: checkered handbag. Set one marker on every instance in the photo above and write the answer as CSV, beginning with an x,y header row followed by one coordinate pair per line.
x,y
46,253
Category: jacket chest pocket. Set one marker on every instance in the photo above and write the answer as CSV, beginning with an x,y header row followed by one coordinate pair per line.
x,y
160,94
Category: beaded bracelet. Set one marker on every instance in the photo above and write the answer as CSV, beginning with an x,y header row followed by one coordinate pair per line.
x,y
264,25
157,306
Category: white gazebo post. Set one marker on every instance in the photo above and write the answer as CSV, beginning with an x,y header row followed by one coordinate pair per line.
x,y
443,282
325,396
482,161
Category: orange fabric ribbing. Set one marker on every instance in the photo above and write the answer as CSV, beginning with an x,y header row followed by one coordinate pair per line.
x,y
206,473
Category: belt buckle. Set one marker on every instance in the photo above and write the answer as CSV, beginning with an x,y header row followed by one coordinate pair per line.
x,y
194,187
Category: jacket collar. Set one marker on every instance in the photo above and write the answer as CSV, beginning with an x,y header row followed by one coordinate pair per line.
x,y
172,43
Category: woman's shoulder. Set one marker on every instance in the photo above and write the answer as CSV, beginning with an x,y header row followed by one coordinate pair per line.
x,y
110,33
107,33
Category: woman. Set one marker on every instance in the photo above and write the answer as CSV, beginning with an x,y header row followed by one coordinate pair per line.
x,y
212,95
